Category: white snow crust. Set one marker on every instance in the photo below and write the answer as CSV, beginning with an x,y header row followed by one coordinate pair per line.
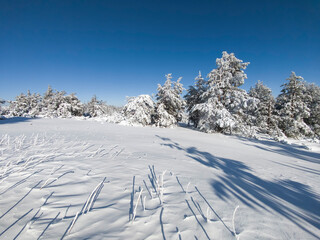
x,y
73,179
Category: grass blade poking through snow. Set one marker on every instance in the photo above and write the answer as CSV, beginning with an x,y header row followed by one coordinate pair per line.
x,y
234,228
45,183
87,206
65,214
155,183
91,197
132,199
137,203
144,203
96,194
205,232
162,185
188,187
73,222
213,210
147,188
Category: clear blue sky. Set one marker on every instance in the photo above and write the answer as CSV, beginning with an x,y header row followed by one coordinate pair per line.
x,y
120,48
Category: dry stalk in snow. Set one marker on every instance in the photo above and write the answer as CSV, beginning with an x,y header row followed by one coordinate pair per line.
x,y
208,214
89,202
46,182
187,187
73,222
144,203
234,228
137,203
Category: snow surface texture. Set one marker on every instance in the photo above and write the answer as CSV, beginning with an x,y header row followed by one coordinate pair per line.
x,y
77,179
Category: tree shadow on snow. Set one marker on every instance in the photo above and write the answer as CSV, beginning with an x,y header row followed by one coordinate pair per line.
x,y
296,151
293,200
13,120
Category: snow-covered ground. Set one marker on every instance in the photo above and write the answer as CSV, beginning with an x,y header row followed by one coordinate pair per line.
x,y
80,179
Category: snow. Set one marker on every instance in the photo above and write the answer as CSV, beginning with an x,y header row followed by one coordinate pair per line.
x,y
139,110
49,168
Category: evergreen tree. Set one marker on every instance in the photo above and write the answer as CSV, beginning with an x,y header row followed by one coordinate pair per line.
x,y
224,107
95,108
193,97
229,73
19,107
162,118
312,99
49,105
169,101
264,114
25,105
58,104
35,103
76,105
292,109
2,112
69,105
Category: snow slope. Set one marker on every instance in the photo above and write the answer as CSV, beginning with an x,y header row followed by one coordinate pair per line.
x,y
73,179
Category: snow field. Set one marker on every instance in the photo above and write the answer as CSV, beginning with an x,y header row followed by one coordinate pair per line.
x,y
69,179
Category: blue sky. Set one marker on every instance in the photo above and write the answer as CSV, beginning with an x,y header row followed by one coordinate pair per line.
x,y
120,48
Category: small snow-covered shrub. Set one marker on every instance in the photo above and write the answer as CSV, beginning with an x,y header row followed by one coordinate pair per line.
x,y
139,110
98,108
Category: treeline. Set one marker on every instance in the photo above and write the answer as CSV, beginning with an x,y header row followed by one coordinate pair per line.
x,y
213,104
217,104
55,103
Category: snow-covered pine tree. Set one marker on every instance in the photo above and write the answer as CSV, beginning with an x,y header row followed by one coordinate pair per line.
x,y
162,118
68,106
139,110
265,119
213,116
193,97
292,109
312,99
35,102
229,73
58,104
169,103
2,112
19,107
225,107
25,105
49,104
76,105
95,108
